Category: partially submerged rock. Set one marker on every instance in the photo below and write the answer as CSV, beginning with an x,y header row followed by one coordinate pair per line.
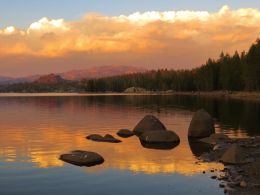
x,y
100,138
95,137
235,154
159,139
149,123
214,138
125,133
202,125
82,158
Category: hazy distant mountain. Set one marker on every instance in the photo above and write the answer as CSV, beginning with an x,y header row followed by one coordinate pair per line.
x,y
101,71
11,80
94,72
5,79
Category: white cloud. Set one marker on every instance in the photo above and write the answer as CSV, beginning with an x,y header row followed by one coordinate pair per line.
x,y
46,24
146,32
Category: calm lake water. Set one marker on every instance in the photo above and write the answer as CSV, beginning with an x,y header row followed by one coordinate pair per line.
x,y
34,131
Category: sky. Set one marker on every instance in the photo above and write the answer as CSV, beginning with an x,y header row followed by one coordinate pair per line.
x,y
40,37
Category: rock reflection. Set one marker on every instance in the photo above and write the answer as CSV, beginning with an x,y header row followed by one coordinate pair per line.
x,y
198,148
159,146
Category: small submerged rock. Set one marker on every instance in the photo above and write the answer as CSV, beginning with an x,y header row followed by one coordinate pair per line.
x,y
149,123
82,158
243,184
100,138
125,133
213,177
202,125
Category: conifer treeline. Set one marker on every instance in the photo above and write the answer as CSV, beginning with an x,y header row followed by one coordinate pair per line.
x,y
229,72
238,72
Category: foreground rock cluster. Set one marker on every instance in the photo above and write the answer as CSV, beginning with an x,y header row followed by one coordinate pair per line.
x,y
241,157
151,132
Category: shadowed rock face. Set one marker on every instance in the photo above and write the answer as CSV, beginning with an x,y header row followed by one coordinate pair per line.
x,y
106,138
159,139
125,133
149,123
202,125
82,158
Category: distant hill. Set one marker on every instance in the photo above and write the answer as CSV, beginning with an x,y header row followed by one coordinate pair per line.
x,y
89,73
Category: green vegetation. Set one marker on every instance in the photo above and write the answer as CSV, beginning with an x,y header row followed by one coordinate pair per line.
x,y
229,72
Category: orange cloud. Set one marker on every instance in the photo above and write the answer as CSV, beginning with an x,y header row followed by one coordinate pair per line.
x,y
172,34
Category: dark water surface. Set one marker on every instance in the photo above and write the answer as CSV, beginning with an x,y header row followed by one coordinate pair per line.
x,y
34,131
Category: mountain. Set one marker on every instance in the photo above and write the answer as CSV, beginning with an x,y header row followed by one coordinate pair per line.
x,y
101,71
89,73
50,79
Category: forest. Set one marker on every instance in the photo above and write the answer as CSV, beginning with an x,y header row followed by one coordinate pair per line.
x,y
237,72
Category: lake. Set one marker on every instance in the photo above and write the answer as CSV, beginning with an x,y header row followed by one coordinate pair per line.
x,y
36,130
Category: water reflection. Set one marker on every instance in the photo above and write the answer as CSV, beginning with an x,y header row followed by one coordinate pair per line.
x,y
39,129
198,148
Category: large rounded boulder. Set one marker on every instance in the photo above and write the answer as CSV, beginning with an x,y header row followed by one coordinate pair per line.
x,y
149,123
82,158
159,139
202,125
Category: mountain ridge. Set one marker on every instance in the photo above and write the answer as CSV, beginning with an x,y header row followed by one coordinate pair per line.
x,y
75,75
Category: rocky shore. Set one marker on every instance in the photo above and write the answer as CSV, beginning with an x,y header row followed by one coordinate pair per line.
x,y
241,158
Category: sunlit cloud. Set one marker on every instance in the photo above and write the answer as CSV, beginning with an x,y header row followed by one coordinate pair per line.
x,y
163,33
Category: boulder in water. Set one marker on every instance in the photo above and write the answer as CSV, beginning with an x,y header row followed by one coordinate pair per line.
x,y
125,133
149,123
159,139
82,158
202,125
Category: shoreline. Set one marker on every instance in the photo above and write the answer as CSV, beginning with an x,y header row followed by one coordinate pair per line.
x,y
242,95
242,176
255,96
